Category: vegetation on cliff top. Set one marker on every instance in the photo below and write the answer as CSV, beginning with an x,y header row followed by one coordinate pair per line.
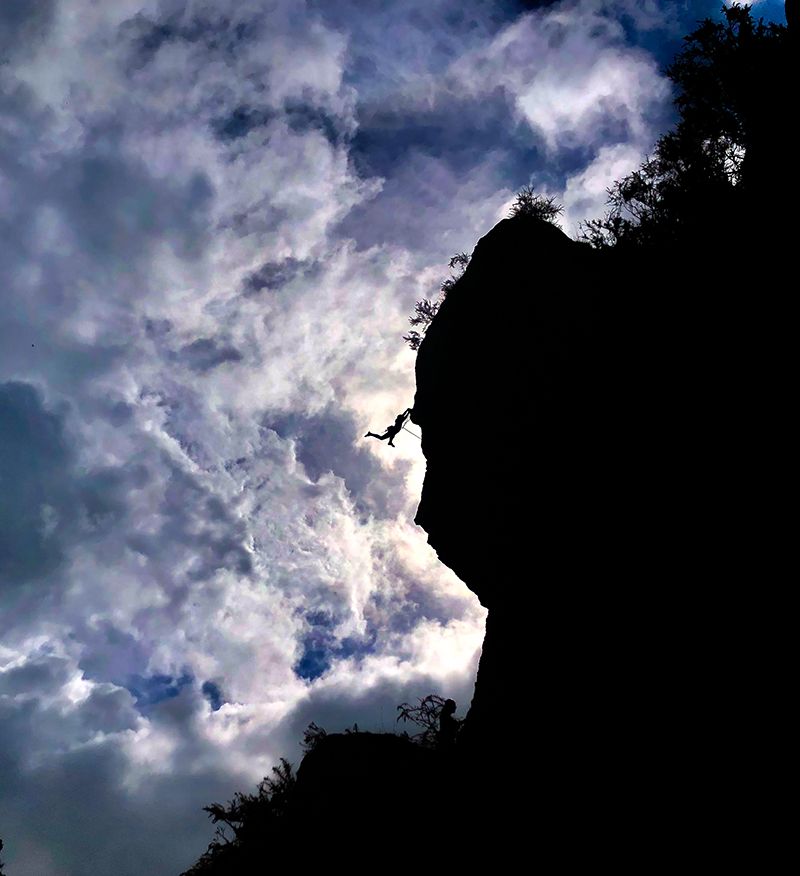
x,y
719,76
526,203
245,825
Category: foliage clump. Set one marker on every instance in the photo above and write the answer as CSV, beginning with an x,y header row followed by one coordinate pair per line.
x,y
247,825
700,165
312,736
427,715
241,823
426,309
528,203
695,174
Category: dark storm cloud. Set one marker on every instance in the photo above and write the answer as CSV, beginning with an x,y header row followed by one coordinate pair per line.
x,y
207,353
103,494
108,709
240,122
42,675
454,128
196,527
118,211
23,23
213,694
95,821
48,503
304,116
110,654
35,458
300,116
271,276
527,5
216,30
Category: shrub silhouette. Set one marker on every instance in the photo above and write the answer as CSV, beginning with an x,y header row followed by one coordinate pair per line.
x,y
243,821
248,825
312,736
426,309
426,715
528,203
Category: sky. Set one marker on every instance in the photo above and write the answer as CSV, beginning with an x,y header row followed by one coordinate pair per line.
x,y
215,219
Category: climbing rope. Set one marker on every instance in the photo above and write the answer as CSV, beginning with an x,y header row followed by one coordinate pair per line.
x,y
418,437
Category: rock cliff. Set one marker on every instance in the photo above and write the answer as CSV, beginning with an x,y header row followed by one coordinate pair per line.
x,y
537,436
591,478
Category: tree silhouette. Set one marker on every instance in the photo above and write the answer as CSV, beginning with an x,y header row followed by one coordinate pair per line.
x,y
698,170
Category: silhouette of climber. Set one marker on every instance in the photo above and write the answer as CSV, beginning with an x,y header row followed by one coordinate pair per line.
x,y
448,725
391,431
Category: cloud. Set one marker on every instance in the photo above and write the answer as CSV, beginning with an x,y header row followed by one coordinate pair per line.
x,y
326,442
572,75
585,194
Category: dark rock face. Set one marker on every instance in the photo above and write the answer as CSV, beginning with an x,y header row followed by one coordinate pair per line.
x,y
371,797
377,776
592,478
501,389
531,431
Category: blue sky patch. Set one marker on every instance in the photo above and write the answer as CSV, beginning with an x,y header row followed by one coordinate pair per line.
x,y
150,690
